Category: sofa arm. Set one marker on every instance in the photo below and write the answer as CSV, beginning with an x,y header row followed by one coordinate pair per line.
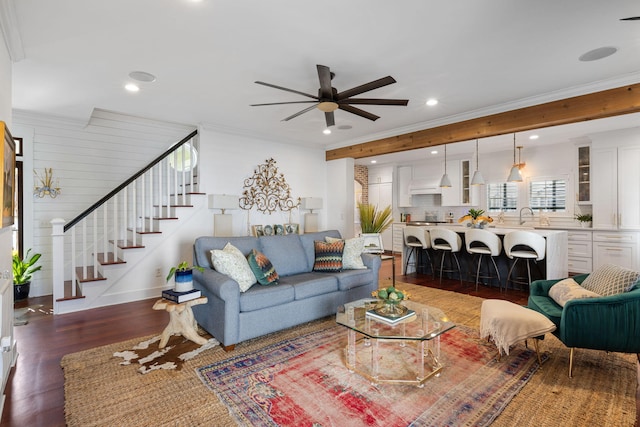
x,y
218,284
541,287
609,323
372,262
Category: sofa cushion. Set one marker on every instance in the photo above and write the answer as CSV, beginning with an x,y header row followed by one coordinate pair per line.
x,y
352,255
286,253
204,244
259,297
328,256
349,279
567,290
307,285
262,268
611,279
231,262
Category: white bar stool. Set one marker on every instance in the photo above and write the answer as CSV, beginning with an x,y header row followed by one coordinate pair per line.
x,y
446,241
417,239
514,247
482,242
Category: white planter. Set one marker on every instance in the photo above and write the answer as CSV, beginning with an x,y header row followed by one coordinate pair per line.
x,y
372,243
183,281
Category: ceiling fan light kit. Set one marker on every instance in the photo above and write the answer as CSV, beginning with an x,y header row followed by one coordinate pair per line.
x,y
330,100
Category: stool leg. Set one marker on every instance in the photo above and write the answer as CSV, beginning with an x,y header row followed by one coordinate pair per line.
x,y
478,271
497,273
406,264
529,272
455,257
442,265
515,261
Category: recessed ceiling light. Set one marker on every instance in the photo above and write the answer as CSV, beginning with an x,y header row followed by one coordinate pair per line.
x,y
431,102
327,131
599,53
534,137
434,151
132,87
374,161
142,76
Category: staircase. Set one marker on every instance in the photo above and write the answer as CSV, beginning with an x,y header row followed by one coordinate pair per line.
x,y
97,250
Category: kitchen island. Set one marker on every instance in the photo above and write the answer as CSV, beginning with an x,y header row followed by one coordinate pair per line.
x,y
553,266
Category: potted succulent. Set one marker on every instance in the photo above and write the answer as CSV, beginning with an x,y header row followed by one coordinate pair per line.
x,y
585,219
183,273
23,268
372,223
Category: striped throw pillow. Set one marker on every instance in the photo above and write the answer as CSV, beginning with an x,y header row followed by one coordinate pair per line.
x,y
328,256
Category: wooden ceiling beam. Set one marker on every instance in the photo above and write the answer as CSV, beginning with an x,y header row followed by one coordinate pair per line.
x,y
597,105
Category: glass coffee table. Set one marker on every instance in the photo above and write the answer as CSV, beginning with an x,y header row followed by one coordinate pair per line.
x,y
404,352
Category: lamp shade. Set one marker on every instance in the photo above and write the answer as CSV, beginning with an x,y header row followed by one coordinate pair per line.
x,y
445,181
477,179
223,201
311,203
514,175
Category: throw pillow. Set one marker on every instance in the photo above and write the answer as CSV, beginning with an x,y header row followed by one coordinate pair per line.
x,y
352,255
568,289
231,262
262,268
328,256
611,279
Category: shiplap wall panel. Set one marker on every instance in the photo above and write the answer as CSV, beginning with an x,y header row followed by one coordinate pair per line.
x,y
88,161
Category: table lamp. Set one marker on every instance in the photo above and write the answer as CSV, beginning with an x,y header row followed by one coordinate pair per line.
x,y
222,222
311,219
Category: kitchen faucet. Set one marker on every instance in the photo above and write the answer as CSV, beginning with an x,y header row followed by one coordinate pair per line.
x,y
527,208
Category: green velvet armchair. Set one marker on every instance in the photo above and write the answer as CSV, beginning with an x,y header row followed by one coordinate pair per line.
x,y
610,323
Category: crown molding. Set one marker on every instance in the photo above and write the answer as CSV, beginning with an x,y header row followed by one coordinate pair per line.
x,y
10,31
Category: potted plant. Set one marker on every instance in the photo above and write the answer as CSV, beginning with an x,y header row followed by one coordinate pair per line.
x,y
183,276
372,223
22,271
478,220
585,219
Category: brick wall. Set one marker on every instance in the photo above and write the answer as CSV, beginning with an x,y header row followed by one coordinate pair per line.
x,y
361,174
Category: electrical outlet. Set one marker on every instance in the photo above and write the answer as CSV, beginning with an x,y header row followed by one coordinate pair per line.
x,y
158,272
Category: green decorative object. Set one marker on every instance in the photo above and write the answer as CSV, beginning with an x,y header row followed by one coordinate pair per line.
x,y
372,220
390,301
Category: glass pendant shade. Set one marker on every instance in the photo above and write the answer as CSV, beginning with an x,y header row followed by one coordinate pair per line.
x,y
445,181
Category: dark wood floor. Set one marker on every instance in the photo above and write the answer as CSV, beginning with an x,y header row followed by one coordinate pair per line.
x,y
35,388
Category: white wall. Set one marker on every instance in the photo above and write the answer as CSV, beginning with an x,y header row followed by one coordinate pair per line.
x,y
228,160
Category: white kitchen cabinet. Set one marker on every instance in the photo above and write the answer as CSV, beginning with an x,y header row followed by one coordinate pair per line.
x,y
614,185
583,193
580,251
380,175
381,195
461,192
405,175
619,248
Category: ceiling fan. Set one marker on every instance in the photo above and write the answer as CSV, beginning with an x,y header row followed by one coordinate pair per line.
x,y
329,99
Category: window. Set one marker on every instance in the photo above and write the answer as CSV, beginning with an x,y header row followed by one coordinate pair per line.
x,y
502,197
548,194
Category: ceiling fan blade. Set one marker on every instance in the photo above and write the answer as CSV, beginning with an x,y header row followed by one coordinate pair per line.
x,y
283,103
365,87
324,75
288,90
358,112
374,101
330,119
299,113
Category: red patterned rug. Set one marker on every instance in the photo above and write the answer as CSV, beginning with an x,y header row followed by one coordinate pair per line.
x,y
304,382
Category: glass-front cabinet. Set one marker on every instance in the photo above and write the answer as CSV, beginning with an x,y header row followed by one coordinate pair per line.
x,y
466,183
584,174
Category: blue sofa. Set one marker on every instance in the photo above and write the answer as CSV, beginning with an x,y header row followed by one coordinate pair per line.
x,y
301,294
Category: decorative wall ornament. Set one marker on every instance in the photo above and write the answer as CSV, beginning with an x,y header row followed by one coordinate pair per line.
x,y
46,187
267,190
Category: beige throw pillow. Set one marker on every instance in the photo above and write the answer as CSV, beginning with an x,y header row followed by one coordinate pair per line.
x,y
568,289
230,262
611,279
352,255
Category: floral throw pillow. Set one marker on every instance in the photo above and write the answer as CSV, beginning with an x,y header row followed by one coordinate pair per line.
x,y
231,262
328,256
567,290
262,268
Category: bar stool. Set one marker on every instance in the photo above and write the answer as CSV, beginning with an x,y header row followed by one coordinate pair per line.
x,y
482,242
446,241
514,247
416,239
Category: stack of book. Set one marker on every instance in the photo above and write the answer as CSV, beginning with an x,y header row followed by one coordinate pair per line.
x,y
180,297
388,319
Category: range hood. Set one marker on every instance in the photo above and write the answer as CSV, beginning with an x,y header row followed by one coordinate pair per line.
x,y
425,186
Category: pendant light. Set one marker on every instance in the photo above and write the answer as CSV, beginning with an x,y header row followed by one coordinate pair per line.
x,y
514,175
477,179
445,181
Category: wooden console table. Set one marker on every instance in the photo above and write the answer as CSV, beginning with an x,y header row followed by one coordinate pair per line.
x,y
181,320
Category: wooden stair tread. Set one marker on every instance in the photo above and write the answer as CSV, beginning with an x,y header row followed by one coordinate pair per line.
x,y
163,218
127,244
68,285
110,259
92,275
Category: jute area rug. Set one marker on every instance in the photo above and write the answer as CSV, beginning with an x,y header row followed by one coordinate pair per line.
x,y
100,392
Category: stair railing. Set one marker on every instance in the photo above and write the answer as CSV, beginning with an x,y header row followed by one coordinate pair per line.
x,y
117,220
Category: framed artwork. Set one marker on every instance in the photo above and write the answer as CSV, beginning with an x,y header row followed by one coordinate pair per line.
x,y
291,228
268,230
257,230
278,229
8,177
